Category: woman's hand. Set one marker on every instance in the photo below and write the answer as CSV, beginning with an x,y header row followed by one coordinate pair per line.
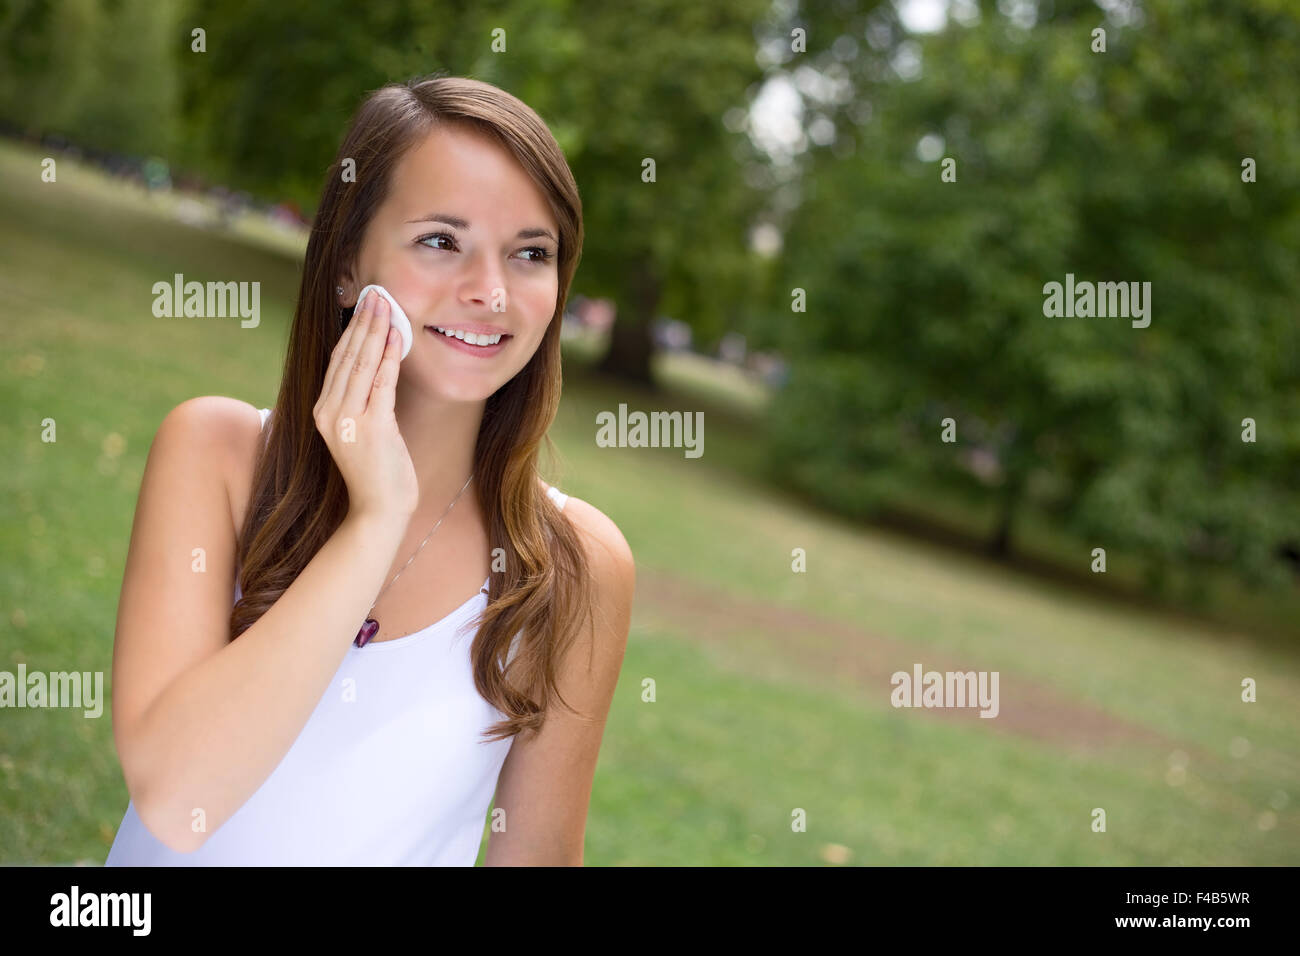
x,y
354,415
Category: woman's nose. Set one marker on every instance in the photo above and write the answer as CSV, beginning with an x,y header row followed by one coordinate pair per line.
x,y
485,281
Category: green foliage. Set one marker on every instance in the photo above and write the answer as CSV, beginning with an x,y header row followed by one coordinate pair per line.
x,y
101,72
926,298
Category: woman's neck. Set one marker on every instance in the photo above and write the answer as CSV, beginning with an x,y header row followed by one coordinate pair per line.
x,y
441,437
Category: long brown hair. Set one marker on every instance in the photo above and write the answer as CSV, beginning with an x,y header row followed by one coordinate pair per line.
x,y
299,497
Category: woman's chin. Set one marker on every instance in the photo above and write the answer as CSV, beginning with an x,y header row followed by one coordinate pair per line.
x,y
455,386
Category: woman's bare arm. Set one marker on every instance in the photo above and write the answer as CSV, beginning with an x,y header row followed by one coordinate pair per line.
x,y
201,723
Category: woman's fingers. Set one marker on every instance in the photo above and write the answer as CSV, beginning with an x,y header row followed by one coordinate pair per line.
x,y
345,352
383,393
361,376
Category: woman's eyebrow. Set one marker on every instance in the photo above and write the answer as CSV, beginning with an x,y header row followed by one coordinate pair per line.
x,y
459,223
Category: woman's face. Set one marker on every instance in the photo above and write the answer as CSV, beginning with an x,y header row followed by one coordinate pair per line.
x,y
465,242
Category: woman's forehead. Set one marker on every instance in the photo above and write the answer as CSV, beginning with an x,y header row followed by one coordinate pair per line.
x,y
468,175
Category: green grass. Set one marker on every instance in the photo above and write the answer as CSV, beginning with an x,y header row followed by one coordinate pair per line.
x,y
892,791
743,731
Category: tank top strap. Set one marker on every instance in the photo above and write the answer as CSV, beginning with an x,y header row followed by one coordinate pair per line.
x,y
266,415
556,495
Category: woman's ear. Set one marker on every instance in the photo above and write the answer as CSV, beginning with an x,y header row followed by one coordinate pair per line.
x,y
343,290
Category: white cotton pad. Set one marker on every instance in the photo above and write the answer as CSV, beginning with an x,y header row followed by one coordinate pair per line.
x,y
396,316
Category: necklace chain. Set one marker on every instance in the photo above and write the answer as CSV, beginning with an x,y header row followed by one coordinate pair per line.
x,y
422,543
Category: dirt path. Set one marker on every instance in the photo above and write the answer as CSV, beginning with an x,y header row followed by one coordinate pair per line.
x,y
828,649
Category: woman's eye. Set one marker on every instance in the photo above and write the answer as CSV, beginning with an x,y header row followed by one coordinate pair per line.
x,y
542,254
438,235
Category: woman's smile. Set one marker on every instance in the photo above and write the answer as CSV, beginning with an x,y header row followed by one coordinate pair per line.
x,y
480,345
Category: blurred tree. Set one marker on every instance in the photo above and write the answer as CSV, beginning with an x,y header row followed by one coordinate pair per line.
x,y
29,62
264,107
99,72
925,298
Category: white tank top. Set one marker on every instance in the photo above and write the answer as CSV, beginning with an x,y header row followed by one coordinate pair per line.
x,y
389,770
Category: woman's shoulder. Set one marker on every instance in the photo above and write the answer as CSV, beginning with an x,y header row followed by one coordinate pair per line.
x,y
597,529
612,565
220,434
216,417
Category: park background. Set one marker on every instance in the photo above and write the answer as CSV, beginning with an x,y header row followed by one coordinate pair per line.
x,y
801,273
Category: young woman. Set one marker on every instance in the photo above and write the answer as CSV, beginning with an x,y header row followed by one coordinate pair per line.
x,y
326,720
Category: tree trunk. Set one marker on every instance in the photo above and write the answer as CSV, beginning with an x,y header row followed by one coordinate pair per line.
x,y
1000,546
630,342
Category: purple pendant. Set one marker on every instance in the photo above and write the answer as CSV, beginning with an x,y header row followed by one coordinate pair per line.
x,y
368,630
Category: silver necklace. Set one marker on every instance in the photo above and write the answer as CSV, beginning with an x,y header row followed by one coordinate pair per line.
x,y
371,627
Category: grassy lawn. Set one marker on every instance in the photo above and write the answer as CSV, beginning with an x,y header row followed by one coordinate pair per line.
x,y
745,731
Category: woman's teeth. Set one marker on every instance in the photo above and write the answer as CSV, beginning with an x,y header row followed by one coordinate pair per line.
x,y
470,337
